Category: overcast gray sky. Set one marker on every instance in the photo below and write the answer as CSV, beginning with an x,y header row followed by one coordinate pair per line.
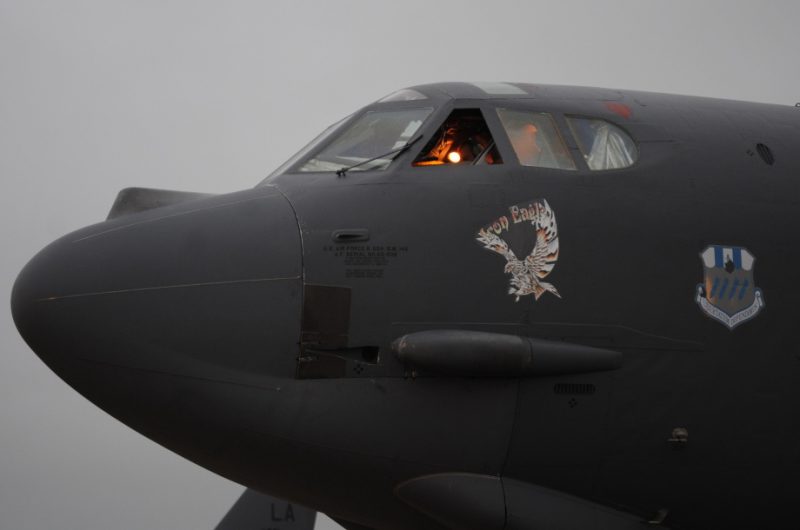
x,y
99,95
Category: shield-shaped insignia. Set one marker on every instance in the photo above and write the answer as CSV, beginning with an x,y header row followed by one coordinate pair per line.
x,y
728,292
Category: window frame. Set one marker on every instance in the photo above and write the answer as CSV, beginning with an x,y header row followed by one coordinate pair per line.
x,y
525,105
434,129
434,123
555,125
488,109
569,115
442,108
344,124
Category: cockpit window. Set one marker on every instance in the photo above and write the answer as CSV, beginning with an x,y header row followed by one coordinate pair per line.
x,y
313,144
535,139
464,138
377,135
603,144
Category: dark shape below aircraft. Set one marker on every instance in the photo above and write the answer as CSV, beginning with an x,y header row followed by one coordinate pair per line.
x,y
256,511
466,306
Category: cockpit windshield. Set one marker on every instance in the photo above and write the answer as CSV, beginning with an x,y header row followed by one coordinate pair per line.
x,y
375,134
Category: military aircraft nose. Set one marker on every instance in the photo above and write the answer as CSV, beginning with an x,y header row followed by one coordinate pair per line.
x,y
24,302
209,288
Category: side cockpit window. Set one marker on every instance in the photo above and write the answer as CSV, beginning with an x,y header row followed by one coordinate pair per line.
x,y
464,138
535,139
603,144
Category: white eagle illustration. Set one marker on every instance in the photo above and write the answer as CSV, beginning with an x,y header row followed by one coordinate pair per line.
x,y
527,274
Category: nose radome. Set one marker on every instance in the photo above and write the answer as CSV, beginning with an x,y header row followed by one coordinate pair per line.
x,y
24,302
203,288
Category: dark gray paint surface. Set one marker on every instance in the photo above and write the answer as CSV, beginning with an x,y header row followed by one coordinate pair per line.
x,y
102,96
185,323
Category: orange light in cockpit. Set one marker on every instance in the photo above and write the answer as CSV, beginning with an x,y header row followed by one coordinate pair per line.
x,y
454,157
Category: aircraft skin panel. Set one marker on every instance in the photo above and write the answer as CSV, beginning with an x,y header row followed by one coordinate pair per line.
x,y
260,333
530,507
347,525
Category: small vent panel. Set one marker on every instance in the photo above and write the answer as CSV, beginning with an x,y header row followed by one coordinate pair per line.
x,y
575,389
766,154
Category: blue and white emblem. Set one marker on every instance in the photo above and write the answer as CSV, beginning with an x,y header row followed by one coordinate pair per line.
x,y
728,293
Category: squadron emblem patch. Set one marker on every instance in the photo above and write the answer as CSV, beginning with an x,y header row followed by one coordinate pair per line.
x,y
530,228
728,293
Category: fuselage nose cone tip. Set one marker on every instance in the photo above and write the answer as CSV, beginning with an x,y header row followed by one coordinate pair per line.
x,y
23,303
163,290
34,285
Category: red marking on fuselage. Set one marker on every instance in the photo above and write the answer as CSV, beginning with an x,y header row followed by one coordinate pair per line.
x,y
619,108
